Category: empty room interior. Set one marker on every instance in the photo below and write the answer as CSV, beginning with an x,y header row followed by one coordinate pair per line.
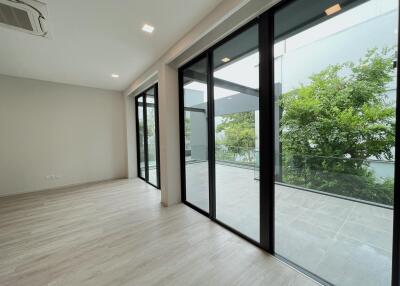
x,y
199,142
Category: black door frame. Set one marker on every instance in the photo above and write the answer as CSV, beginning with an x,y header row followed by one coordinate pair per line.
x,y
138,155
145,139
265,24
207,55
396,206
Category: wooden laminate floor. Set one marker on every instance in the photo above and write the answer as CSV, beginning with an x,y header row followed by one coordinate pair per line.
x,y
117,233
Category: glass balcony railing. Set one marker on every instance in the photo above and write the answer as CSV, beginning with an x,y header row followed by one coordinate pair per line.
x,y
365,180
244,156
368,180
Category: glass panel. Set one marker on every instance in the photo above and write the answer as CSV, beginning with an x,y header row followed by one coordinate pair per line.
x,y
236,121
196,130
151,137
140,111
335,94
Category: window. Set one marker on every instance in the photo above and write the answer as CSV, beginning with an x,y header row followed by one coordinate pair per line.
x,y
335,86
195,126
236,121
288,137
147,136
141,131
152,138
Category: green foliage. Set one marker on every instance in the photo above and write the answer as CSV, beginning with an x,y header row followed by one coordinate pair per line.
x,y
239,135
331,126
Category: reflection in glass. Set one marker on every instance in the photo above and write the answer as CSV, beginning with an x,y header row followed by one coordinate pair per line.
x,y
335,94
236,107
196,130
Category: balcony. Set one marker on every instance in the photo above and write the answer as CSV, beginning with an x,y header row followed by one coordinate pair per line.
x,y
325,233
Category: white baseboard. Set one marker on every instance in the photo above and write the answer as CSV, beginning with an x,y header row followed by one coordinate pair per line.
x,y
86,184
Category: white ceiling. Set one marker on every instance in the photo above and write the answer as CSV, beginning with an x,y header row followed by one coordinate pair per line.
x,y
91,39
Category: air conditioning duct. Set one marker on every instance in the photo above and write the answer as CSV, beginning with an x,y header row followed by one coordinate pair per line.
x,y
29,16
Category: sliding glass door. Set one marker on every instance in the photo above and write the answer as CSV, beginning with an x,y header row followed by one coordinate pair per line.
x,y
152,137
236,121
195,126
140,127
288,137
147,136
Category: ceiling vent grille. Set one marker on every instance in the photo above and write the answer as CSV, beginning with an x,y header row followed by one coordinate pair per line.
x,y
24,15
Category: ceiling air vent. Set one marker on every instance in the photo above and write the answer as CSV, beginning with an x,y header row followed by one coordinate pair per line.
x,y
24,15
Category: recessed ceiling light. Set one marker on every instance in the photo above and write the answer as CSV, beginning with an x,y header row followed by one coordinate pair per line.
x,y
333,9
148,28
115,75
225,60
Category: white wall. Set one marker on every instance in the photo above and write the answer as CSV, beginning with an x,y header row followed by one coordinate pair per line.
x,y
76,133
130,120
168,98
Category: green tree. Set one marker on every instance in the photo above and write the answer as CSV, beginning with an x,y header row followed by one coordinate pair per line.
x,y
239,134
330,126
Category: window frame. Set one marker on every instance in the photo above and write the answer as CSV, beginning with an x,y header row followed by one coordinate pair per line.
x,y
145,135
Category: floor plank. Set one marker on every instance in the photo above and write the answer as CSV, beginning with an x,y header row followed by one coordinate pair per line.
x,y
117,233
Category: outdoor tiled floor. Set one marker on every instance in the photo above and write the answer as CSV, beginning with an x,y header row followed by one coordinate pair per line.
x,y
344,242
